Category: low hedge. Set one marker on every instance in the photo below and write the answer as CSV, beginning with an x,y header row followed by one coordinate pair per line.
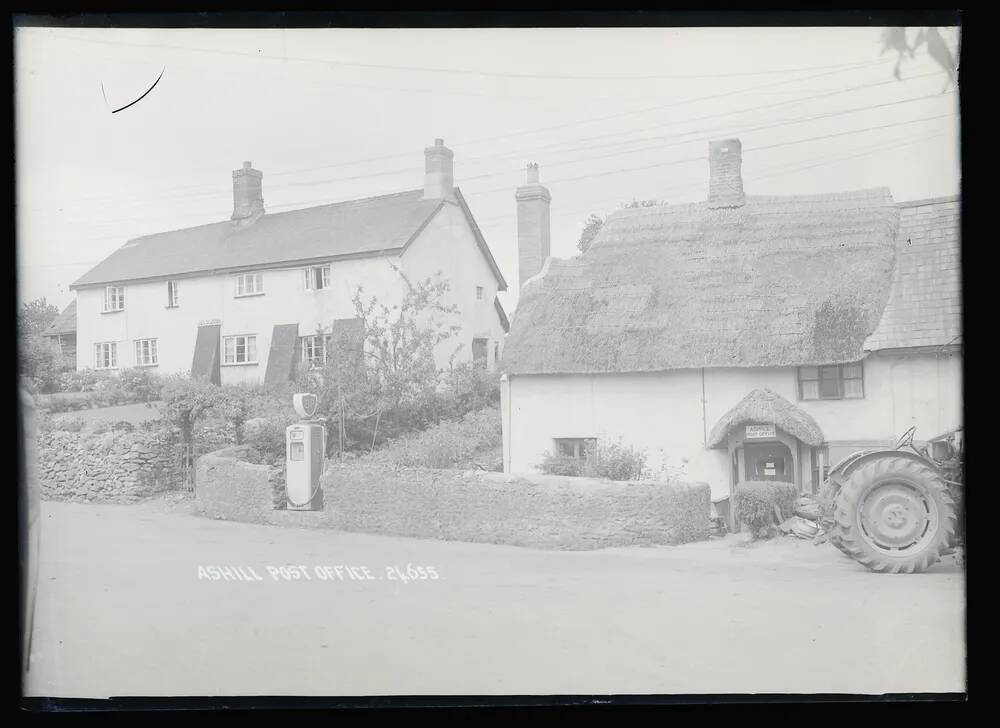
x,y
754,503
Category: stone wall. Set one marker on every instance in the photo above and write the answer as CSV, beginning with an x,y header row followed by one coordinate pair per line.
x,y
113,467
228,488
539,511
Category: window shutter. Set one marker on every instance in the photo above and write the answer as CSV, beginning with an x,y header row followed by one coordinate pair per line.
x,y
308,274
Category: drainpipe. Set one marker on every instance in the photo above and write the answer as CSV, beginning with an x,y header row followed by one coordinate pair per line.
x,y
704,421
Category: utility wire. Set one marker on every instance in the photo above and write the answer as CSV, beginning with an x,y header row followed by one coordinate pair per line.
x,y
462,71
659,145
579,121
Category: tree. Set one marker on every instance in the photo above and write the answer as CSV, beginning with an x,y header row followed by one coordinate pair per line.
x,y
385,380
39,359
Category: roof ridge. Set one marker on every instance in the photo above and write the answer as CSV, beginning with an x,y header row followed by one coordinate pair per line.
x,y
930,201
273,215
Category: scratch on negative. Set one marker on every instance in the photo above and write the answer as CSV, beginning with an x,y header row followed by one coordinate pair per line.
x,y
138,99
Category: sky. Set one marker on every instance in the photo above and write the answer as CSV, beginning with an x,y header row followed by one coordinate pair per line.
x,y
609,115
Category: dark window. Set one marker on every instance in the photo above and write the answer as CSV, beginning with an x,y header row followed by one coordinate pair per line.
x,y
496,352
575,447
479,293
840,381
479,352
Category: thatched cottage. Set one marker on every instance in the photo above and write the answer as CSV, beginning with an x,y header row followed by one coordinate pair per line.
x,y
744,337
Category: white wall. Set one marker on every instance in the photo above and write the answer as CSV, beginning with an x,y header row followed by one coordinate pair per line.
x,y
446,244
663,413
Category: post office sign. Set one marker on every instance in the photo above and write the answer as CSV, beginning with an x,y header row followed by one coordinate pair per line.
x,y
760,432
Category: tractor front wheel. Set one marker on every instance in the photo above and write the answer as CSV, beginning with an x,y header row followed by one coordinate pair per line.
x,y
894,514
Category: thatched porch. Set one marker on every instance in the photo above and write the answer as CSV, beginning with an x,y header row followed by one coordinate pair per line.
x,y
768,438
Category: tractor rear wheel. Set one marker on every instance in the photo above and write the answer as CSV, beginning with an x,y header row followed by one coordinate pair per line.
x,y
894,514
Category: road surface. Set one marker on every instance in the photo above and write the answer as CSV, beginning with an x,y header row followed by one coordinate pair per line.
x,y
124,610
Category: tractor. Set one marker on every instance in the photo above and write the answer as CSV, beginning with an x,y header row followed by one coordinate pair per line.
x,y
900,510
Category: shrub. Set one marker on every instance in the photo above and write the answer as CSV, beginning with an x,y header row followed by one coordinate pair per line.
x,y
473,440
66,423
265,437
141,384
83,380
109,393
754,504
564,465
610,460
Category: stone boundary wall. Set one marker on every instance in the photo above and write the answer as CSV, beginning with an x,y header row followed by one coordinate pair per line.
x,y
539,511
229,489
113,467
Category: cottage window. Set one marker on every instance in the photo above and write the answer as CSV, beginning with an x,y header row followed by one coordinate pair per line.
x,y
249,284
114,298
575,447
317,277
479,349
145,353
171,294
496,352
240,349
106,355
841,381
314,349
479,293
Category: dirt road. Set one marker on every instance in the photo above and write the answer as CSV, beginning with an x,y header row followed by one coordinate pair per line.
x,y
123,609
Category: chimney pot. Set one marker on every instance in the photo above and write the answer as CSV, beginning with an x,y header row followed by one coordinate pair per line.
x,y
725,183
439,173
532,174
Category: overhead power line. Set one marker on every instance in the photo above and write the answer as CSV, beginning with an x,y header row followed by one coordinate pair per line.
x,y
659,145
467,71
524,132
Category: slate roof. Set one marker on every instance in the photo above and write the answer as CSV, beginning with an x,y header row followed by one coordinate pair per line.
x,y
371,226
64,323
780,281
925,305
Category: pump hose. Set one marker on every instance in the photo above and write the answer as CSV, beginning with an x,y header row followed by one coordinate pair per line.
x,y
312,495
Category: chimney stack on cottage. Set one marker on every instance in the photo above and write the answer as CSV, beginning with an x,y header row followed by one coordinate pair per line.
x,y
248,197
439,175
725,182
533,243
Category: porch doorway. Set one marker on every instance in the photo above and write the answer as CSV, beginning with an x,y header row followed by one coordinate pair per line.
x,y
768,461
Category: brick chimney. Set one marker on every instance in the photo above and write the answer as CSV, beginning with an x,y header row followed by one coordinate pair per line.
x,y
439,175
248,198
533,243
725,182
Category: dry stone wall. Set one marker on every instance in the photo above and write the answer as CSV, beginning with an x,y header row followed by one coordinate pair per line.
x,y
540,511
113,467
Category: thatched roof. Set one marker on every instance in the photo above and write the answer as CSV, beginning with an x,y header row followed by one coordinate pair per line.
x,y
780,281
766,407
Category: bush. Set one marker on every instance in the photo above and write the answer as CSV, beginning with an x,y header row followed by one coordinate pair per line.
x,y
140,384
83,380
66,423
109,393
564,465
470,441
609,460
265,437
754,503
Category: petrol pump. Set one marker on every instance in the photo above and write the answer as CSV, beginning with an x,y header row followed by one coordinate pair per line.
x,y
305,455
